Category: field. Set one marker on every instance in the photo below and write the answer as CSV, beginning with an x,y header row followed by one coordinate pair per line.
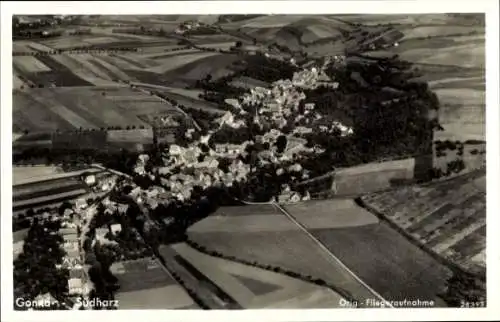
x,y
264,235
144,284
375,252
228,284
372,177
39,186
248,82
39,189
75,108
22,175
447,217
449,52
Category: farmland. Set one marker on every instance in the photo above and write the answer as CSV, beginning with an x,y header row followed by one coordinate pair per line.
x,y
227,284
262,238
373,176
74,108
145,285
27,174
449,52
128,84
447,217
39,186
375,252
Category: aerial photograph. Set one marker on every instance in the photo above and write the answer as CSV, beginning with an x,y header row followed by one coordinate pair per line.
x,y
232,162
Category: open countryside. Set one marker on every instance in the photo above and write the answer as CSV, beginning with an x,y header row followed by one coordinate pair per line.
x,y
249,161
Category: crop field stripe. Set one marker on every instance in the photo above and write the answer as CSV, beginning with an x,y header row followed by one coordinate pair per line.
x,y
50,99
419,217
459,236
201,277
472,244
91,102
325,249
40,186
174,53
86,61
112,71
463,215
434,216
75,103
81,69
89,105
226,282
25,107
30,64
49,177
48,192
457,226
39,47
132,62
60,74
47,199
119,64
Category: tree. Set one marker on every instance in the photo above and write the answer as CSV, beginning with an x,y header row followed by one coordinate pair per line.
x,y
281,143
464,288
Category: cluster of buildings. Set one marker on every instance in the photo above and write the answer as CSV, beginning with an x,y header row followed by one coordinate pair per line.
x,y
79,283
187,167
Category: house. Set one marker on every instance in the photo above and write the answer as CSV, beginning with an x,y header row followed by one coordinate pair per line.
x,y
101,232
68,212
70,242
90,180
75,286
77,272
116,229
81,203
295,197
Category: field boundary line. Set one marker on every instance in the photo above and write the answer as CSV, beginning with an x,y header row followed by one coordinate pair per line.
x,y
324,248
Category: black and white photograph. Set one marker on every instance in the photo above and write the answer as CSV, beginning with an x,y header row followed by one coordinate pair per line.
x,y
233,162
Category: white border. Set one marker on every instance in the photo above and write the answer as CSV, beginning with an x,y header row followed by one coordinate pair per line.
x,y
490,7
